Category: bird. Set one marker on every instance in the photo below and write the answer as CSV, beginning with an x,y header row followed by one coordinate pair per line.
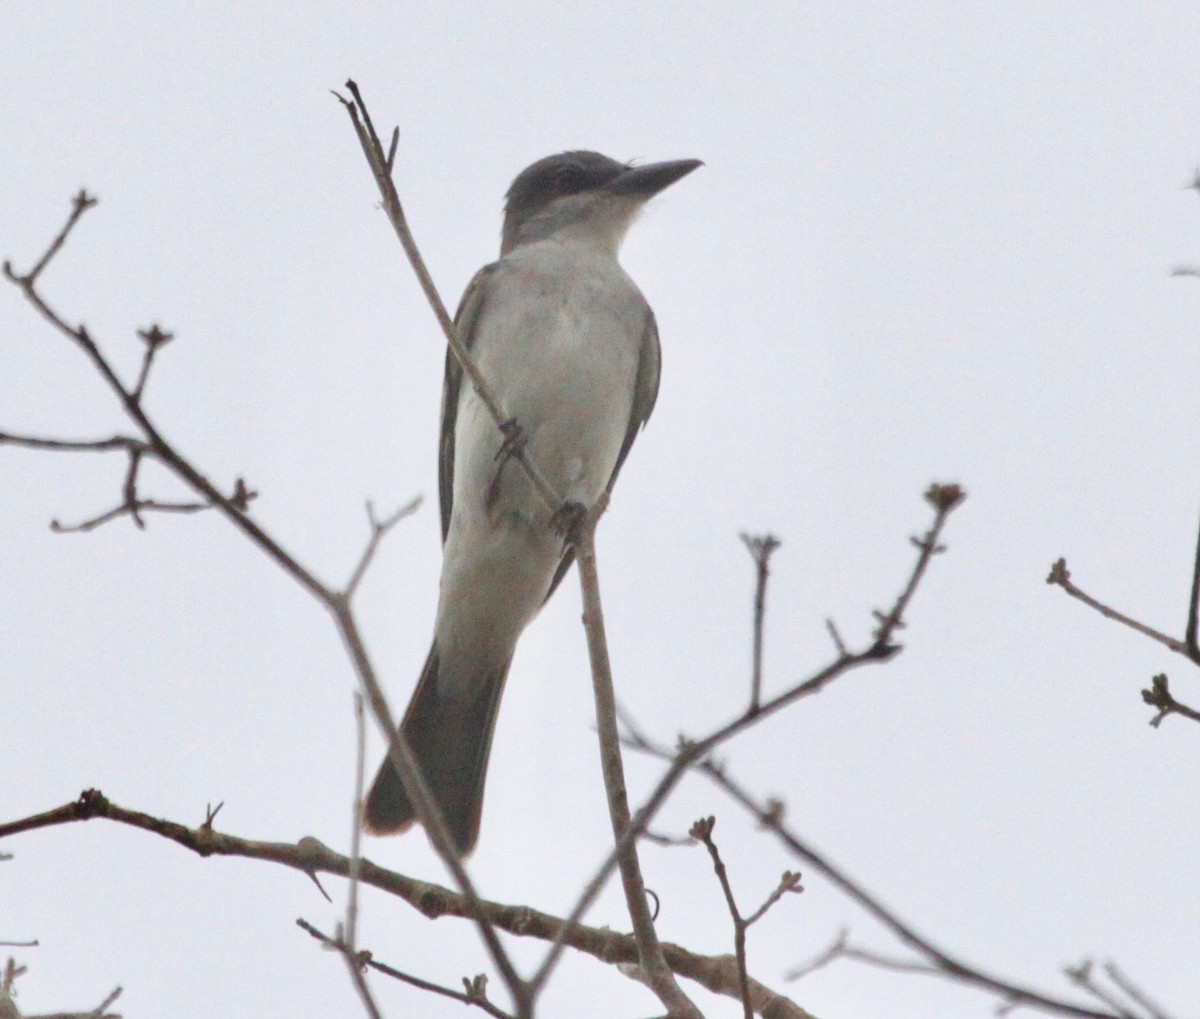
x,y
570,348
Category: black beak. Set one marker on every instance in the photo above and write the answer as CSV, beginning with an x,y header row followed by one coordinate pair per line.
x,y
650,179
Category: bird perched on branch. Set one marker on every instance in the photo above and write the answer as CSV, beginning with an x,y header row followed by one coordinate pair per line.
x,y
569,346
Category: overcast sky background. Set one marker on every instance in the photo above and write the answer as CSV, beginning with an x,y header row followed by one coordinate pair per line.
x,y
931,241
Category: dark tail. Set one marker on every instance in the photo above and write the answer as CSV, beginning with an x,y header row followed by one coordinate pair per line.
x,y
451,740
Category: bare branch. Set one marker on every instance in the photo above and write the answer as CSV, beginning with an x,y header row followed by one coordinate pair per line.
x,y
691,752
476,988
125,443
761,548
379,530
155,445
234,508
401,756
381,169
1060,576
654,966
79,205
1152,1009
1159,696
938,960
310,856
702,830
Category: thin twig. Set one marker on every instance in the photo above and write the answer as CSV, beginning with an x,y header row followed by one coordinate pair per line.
x,y
821,959
124,443
1190,634
944,499
760,547
365,959
942,961
1159,696
836,637
1060,576
153,338
1135,993
379,530
346,942
381,169
788,882
1081,977
702,830
360,752
79,205
132,509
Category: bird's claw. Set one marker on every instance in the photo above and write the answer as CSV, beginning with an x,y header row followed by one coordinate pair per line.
x,y
514,440
567,520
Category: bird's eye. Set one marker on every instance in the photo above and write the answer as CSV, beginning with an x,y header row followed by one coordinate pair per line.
x,y
568,179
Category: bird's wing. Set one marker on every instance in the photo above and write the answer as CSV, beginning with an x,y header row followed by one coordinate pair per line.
x,y
645,393
465,318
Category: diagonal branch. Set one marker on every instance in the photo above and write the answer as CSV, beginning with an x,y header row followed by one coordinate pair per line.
x,y
155,446
379,530
155,443
769,815
475,995
1060,576
945,498
1158,695
381,168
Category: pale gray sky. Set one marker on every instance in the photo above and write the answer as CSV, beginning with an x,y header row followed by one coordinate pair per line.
x,y
931,241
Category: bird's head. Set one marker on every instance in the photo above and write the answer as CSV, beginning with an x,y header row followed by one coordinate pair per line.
x,y
585,193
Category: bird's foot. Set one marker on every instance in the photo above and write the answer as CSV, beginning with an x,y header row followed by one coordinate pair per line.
x,y
514,440
567,521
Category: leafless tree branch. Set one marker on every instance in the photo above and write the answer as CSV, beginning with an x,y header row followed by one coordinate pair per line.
x,y
381,168
1158,695
476,987
944,498
309,856
154,446
1060,576
702,831
657,973
9,1010
379,530
932,958
761,548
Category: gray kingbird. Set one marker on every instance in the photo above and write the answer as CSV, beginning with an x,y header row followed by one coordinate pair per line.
x,y
570,347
